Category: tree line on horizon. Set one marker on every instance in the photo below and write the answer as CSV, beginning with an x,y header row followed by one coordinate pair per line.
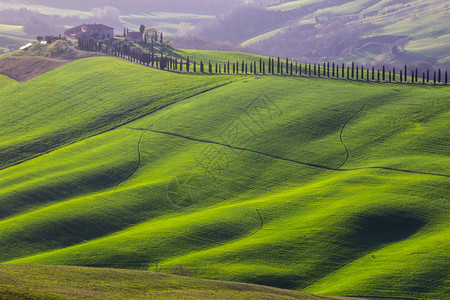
x,y
269,66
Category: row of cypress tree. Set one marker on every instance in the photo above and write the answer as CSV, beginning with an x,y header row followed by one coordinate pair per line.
x,y
270,66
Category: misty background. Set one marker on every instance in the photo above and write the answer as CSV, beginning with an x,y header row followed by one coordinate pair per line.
x,y
375,32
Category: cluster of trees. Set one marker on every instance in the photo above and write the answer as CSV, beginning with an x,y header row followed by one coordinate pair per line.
x,y
270,66
50,39
149,35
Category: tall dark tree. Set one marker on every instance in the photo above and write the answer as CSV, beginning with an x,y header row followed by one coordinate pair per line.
x,y
353,70
260,65
161,38
188,65
439,76
278,66
141,29
446,77
406,73
384,74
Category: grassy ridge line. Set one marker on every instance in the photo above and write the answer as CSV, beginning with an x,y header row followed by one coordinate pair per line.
x,y
62,282
124,99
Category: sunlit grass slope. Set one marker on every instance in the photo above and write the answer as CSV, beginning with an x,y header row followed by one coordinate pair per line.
x,y
62,282
82,99
327,186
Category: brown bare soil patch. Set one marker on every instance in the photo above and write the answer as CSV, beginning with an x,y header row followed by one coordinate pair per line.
x,y
24,68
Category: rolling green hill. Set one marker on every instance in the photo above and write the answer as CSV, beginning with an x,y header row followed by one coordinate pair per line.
x,y
331,187
62,282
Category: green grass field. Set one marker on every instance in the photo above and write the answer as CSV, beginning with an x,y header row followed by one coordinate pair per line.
x,y
325,186
62,282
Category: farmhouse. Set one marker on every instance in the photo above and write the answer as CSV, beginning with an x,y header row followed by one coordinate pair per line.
x,y
135,36
96,31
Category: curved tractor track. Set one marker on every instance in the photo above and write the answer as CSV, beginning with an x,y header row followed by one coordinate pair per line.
x,y
286,159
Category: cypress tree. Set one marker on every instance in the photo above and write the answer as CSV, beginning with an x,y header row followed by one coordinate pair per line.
x,y
417,76
328,69
281,65
337,71
353,70
434,78
362,72
264,68
292,67
384,75
357,72
220,69
161,38
269,66
287,65
324,70
412,77
401,76
367,75
273,66
343,70
188,65
195,66
234,68
217,69
348,72
246,65
209,68
428,76
181,65
446,78
243,68
251,68
406,73
315,70
390,76
439,76
228,67
260,65
373,73
423,77
278,66
393,74
378,75
333,69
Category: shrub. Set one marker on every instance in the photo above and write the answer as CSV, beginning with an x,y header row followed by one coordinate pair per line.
x,y
180,270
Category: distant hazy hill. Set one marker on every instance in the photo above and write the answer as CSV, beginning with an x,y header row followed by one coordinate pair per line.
x,y
368,31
